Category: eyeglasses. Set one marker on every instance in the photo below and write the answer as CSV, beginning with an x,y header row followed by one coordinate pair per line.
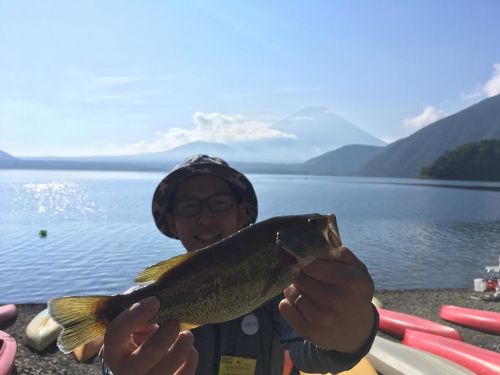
x,y
216,204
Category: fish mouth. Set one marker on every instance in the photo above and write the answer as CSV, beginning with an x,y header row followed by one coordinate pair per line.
x,y
331,232
293,250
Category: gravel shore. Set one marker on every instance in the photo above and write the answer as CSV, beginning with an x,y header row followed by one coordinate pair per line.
x,y
423,303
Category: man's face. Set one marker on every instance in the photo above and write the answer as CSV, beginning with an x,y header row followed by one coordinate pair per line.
x,y
206,227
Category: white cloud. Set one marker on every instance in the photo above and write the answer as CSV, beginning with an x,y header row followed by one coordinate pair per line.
x,y
87,78
488,89
428,116
475,94
86,87
492,86
210,127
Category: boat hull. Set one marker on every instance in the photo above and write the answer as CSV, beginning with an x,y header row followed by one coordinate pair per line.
x,y
481,320
392,358
476,359
7,312
42,331
8,350
377,303
85,352
395,323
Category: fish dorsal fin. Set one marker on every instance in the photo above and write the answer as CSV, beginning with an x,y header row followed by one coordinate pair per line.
x,y
188,326
156,271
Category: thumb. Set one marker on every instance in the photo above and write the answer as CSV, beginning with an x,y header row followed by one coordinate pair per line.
x,y
129,321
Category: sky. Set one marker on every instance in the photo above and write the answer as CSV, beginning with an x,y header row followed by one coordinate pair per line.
x,y
125,77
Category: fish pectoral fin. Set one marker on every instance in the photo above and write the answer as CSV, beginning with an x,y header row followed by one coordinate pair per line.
x,y
188,326
156,271
270,281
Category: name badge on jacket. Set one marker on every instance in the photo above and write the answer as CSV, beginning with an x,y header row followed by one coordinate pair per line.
x,y
236,365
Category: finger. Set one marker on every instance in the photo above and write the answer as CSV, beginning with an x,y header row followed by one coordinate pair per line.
x,y
311,310
316,290
350,259
143,333
156,347
332,273
347,258
118,332
292,293
189,367
176,355
294,317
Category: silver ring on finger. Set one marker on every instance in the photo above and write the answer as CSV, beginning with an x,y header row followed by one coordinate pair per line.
x,y
298,299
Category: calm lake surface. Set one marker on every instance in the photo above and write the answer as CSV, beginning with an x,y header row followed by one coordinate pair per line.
x,y
101,232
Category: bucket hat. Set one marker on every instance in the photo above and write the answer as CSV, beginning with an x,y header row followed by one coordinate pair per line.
x,y
201,164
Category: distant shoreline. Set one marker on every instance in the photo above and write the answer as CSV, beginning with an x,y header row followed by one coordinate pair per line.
x,y
249,168
444,185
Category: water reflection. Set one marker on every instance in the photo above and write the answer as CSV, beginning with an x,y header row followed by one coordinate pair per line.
x,y
54,198
409,235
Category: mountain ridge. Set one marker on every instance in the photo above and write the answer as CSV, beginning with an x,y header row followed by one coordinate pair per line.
x,y
405,157
6,156
316,130
342,161
402,158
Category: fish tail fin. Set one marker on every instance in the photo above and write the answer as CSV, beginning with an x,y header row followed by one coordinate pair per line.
x,y
82,319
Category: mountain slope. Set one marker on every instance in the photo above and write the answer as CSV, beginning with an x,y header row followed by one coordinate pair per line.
x,y
316,130
175,154
340,162
405,158
182,152
5,156
324,129
308,133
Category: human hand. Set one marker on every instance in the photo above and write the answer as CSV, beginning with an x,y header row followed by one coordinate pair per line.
x,y
134,346
335,310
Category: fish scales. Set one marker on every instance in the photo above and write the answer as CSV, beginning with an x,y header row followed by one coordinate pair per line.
x,y
214,284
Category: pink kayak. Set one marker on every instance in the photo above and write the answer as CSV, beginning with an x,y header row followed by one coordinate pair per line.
x,y
482,320
395,323
7,312
7,353
476,359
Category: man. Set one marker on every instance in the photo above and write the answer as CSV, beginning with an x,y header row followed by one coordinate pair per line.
x,y
324,318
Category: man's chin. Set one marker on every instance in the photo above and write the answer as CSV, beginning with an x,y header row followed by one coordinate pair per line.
x,y
199,243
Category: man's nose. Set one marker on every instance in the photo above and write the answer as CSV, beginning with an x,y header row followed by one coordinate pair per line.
x,y
205,215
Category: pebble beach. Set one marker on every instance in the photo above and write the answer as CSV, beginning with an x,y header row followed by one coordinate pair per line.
x,y
424,303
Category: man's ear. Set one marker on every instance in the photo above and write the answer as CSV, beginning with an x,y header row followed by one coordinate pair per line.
x,y
242,214
171,224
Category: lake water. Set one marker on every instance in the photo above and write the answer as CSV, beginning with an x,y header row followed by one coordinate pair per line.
x,y
101,232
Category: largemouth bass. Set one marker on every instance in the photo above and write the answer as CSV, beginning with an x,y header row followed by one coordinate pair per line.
x,y
215,284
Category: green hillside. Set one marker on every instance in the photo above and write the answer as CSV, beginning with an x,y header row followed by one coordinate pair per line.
x,y
406,157
472,161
